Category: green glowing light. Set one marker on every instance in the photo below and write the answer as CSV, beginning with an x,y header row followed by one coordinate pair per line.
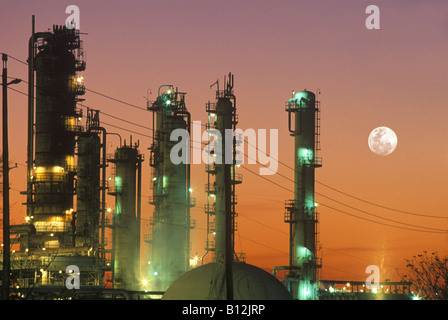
x,y
118,184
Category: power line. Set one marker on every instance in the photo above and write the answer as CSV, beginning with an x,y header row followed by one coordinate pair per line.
x,y
344,212
284,164
130,122
349,195
281,186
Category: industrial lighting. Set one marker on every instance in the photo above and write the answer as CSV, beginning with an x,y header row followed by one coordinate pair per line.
x,y
145,282
154,179
27,218
156,273
190,189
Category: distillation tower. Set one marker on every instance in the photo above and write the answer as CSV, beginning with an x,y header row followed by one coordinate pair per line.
x,y
62,224
300,212
221,173
126,216
171,192
221,182
51,185
227,277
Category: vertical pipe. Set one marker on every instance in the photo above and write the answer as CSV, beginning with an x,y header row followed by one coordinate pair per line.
x,y
139,211
6,239
30,149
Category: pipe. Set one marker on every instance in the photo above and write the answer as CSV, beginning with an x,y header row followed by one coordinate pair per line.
x,y
103,189
139,211
187,262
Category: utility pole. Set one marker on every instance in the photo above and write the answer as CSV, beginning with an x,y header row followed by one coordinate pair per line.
x,y
6,242
6,236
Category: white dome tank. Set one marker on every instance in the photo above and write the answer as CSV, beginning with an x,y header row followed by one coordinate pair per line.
x,y
249,283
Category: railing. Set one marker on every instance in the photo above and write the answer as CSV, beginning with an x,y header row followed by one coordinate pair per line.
x,y
210,168
48,177
238,178
192,202
210,107
209,209
209,188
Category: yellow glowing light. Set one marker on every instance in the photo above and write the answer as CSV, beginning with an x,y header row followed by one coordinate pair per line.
x,y
145,282
57,169
27,218
39,170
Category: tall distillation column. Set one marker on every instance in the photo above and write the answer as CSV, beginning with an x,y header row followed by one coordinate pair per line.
x,y
126,225
88,186
51,184
301,212
221,195
171,222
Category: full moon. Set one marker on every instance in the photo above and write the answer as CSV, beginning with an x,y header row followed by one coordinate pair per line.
x,y
382,141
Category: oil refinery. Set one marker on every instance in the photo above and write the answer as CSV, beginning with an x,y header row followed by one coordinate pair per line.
x,y
70,233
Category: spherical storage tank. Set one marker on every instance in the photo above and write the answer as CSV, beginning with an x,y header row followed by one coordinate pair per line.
x,y
249,283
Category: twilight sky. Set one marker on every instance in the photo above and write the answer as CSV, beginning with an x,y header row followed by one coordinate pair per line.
x,y
394,77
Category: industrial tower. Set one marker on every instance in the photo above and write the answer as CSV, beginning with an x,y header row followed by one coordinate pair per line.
x,y
222,180
51,184
126,188
64,196
300,212
171,191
